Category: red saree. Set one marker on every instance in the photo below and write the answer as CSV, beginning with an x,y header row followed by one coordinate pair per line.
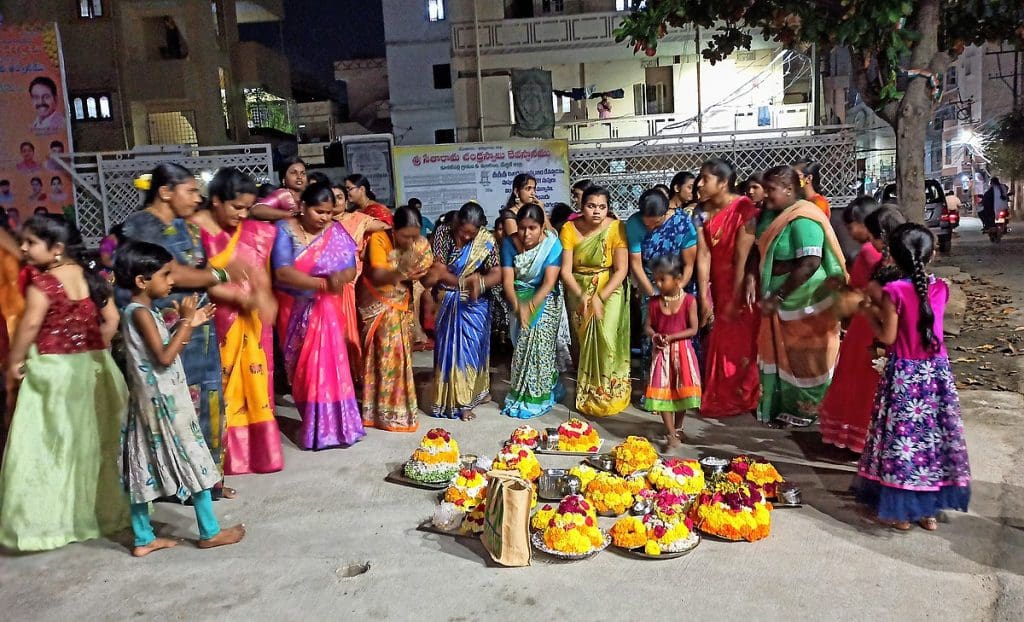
x,y
731,380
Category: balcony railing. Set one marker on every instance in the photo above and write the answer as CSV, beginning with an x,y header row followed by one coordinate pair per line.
x,y
543,33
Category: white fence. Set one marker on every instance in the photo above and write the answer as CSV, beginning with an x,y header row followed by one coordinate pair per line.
x,y
105,194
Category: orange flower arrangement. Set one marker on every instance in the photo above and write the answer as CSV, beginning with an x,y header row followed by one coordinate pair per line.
x,y
758,472
525,435
637,483
542,517
585,473
609,493
436,459
629,532
468,490
474,522
573,528
576,435
734,509
519,458
634,454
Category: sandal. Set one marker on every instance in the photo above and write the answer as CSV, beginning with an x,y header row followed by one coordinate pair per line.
x,y
929,524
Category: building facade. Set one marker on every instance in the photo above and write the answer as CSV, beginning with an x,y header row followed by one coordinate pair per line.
x,y
450,64
149,72
417,34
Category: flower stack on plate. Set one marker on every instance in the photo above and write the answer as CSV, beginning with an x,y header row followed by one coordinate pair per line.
x,y
572,529
760,473
733,509
634,455
436,460
665,529
525,435
609,494
578,436
677,474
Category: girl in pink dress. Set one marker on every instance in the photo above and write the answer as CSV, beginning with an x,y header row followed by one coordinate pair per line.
x,y
674,384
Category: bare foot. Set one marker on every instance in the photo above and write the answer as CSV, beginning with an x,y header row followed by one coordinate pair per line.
x,y
231,535
468,415
672,442
155,545
228,493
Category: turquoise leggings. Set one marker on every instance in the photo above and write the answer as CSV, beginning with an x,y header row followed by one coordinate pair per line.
x,y
203,502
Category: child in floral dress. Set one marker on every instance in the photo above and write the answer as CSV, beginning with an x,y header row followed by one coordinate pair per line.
x,y
915,461
163,451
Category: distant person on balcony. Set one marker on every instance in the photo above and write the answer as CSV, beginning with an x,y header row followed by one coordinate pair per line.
x,y
604,108
360,193
283,202
810,184
175,46
49,119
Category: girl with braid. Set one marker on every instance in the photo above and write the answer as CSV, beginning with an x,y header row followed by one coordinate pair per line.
x,y
880,224
915,462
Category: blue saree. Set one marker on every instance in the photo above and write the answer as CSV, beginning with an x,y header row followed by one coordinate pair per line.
x,y
535,387
463,332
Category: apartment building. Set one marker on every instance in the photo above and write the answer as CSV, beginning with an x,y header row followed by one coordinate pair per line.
x,y
147,72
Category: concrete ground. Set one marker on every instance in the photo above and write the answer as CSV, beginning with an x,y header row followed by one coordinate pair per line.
x,y
329,510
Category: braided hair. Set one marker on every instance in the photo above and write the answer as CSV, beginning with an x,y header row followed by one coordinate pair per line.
x,y
880,224
912,246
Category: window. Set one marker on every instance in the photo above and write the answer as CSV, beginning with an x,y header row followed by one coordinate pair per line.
x,y
552,6
443,137
949,154
621,5
435,10
951,77
91,107
90,9
443,76
173,128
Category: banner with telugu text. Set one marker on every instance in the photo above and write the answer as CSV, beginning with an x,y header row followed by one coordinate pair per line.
x,y
444,177
34,110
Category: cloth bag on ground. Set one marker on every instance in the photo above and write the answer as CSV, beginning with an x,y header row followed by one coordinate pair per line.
x,y
506,534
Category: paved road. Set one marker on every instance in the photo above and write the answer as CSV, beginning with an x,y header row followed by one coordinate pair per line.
x,y
330,509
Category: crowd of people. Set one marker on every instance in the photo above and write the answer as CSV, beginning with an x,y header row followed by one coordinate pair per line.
x,y
227,298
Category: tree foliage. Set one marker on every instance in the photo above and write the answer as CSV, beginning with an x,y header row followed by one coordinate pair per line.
x,y
880,34
1006,145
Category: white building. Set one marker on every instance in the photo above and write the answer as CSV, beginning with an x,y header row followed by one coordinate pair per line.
x,y
419,71
432,42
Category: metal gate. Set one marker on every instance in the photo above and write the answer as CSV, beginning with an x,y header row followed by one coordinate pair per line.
x,y
105,193
628,167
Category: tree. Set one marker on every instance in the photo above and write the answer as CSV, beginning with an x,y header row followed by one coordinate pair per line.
x,y
900,50
1006,151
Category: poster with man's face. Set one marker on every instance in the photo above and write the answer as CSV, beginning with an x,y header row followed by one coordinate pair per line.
x,y
35,128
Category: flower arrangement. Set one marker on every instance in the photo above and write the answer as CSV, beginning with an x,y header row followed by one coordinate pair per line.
x,y
636,483
634,454
758,472
436,459
671,506
525,435
573,528
473,524
677,474
542,517
629,532
734,509
609,493
585,473
519,458
576,435
467,490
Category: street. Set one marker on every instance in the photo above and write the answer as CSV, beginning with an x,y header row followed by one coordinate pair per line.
x,y
329,510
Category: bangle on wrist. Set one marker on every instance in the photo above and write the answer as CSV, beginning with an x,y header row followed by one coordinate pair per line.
x,y
221,275
322,285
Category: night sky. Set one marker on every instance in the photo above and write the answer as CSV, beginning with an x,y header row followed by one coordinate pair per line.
x,y
317,32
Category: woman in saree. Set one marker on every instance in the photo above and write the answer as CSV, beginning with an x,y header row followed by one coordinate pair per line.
x,y
172,196
463,346
666,231
731,383
531,262
394,259
594,268
810,184
313,259
359,226
283,202
799,337
360,194
245,323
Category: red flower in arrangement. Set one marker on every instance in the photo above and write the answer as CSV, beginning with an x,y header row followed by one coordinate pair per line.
x,y
659,531
740,468
547,507
439,433
593,448
589,522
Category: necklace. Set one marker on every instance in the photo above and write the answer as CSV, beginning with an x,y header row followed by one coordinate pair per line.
x,y
673,298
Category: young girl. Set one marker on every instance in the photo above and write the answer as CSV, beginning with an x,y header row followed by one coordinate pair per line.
x,y
163,451
674,385
915,459
59,480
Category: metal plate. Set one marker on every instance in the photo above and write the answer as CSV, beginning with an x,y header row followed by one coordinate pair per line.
x,y
398,477
537,540
694,536
554,452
